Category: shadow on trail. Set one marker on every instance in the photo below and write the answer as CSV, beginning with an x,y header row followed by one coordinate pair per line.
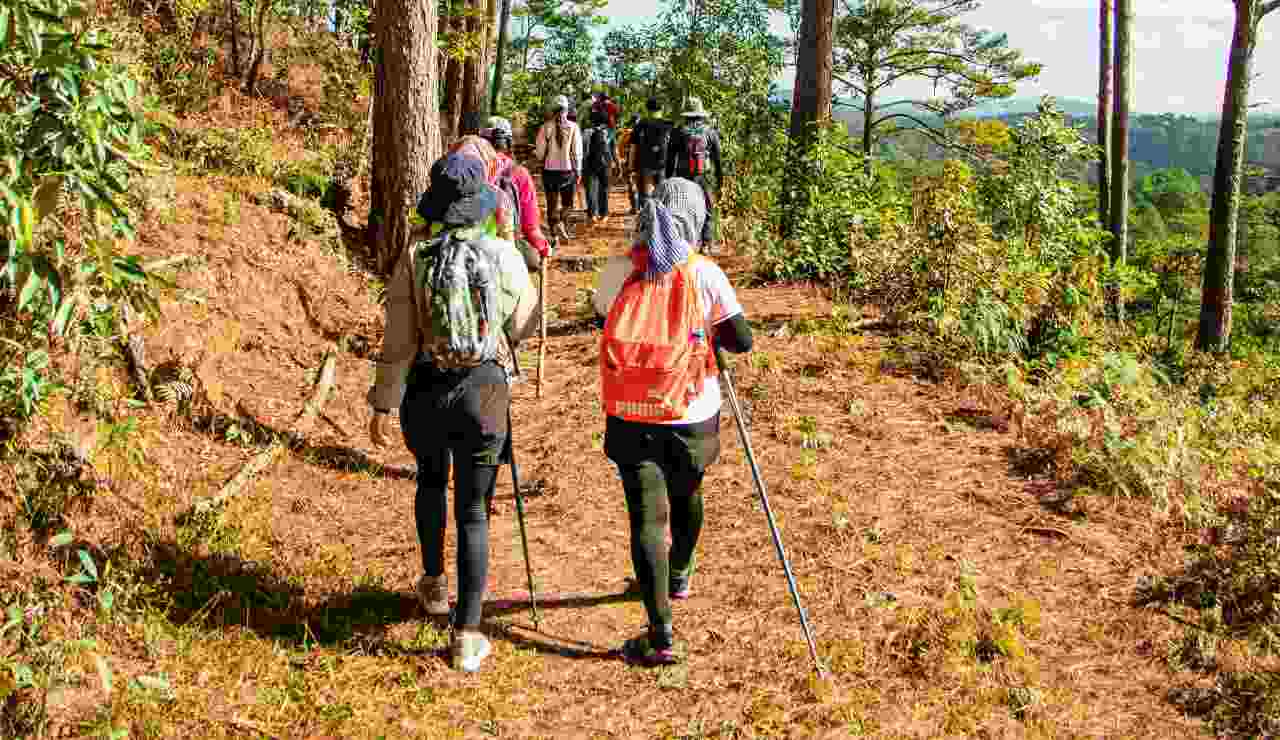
x,y
218,591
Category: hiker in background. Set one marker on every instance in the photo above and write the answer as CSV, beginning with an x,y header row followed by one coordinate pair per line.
x,y
649,141
599,161
450,381
514,180
559,148
622,166
694,147
663,435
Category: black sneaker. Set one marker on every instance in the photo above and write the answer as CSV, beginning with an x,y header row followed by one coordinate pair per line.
x,y
679,589
655,648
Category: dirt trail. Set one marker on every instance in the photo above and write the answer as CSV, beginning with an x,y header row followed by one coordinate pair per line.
x,y
910,494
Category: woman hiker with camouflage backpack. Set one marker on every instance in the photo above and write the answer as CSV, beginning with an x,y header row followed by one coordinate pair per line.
x,y
455,304
661,397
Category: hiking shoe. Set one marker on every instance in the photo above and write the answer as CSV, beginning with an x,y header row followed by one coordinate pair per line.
x,y
651,649
561,231
469,650
433,592
679,586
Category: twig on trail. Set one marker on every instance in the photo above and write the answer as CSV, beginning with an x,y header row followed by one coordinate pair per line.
x,y
310,412
1046,530
174,261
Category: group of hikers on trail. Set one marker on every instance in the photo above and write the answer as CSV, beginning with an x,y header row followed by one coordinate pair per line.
x,y
460,300
652,150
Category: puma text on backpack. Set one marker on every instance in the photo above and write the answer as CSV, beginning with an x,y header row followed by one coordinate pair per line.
x,y
598,154
459,280
655,354
695,146
652,138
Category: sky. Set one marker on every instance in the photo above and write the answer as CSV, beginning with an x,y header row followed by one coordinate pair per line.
x,y
1179,56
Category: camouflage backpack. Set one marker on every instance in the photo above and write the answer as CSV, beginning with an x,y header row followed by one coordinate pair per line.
x,y
459,280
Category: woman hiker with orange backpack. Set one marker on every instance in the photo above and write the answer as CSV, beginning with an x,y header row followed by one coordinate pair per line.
x,y
663,435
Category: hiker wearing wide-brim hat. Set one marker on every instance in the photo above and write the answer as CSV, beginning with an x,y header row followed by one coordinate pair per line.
x,y
664,435
694,149
454,405
559,148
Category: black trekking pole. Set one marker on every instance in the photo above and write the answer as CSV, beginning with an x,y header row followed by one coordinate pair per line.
x,y
768,512
515,485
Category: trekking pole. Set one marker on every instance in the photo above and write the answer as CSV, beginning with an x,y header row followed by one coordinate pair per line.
x,y
542,323
768,512
524,539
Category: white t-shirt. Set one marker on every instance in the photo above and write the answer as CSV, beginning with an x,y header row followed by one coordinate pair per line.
x,y
721,303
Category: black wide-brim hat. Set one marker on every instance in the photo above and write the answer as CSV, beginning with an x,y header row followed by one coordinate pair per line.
x,y
459,194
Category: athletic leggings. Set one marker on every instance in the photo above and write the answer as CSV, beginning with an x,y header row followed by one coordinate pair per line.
x,y
662,468
459,419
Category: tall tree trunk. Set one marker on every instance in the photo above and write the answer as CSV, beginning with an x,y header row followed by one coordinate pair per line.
x,y
500,53
259,47
1214,334
452,98
1104,113
868,116
233,26
473,71
406,135
812,103
1120,143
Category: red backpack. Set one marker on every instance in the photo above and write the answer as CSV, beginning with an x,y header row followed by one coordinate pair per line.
x,y
655,354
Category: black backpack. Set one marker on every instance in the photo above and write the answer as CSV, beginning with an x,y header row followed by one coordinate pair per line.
x,y
651,139
598,154
696,142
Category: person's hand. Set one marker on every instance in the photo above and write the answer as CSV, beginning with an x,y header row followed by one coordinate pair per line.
x,y
380,429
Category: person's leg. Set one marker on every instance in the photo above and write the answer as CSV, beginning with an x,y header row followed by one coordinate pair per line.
x,y
689,452
550,186
709,225
420,417
592,181
648,513
603,205
482,412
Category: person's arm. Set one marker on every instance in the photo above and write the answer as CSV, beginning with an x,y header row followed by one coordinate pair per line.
x,y
519,301
734,334
540,144
399,339
714,146
530,216
576,160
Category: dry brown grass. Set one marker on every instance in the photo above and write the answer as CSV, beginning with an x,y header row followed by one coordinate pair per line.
x,y
947,601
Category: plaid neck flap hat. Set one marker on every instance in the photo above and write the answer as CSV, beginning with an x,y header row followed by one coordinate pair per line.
x,y
659,248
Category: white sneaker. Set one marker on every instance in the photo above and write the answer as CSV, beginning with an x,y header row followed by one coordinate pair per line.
x,y
433,592
469,651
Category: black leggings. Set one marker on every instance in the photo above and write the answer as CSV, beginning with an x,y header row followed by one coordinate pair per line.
x,y
662,468
560,187
458,419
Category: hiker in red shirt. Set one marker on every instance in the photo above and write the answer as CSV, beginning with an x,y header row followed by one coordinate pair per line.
x,y
514,178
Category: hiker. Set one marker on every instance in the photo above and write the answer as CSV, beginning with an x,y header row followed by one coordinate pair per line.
x,y
694,147
599,161
503,222
622,166
450,381
649,141
559,148
662,423
514,180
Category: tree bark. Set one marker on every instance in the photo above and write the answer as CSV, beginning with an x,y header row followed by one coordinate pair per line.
x,y
1214,333
1120,142
473,72
405,123
233,24
812,104
1104,113
499,56
452,98
259,47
